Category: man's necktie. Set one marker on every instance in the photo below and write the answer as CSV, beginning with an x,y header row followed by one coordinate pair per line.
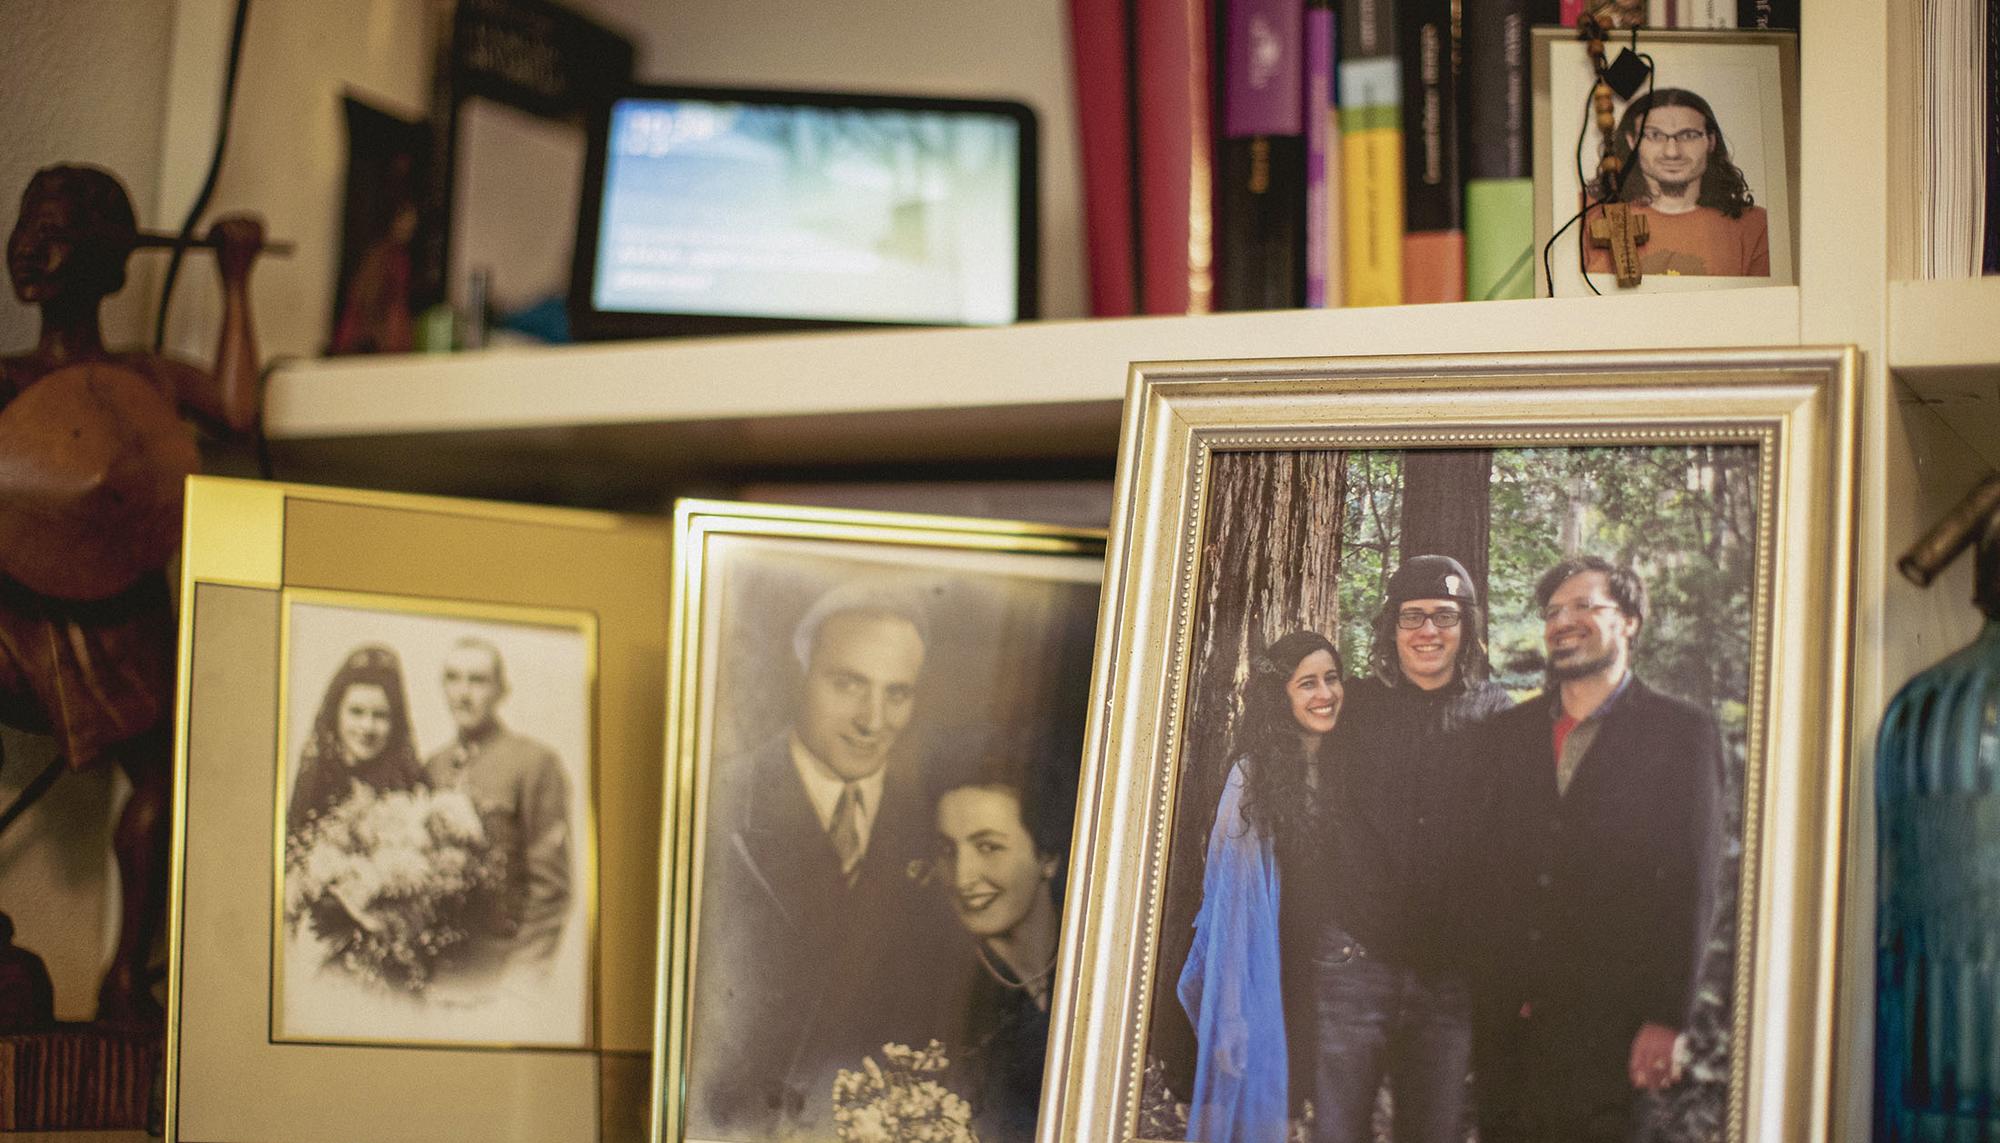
x,y
846,829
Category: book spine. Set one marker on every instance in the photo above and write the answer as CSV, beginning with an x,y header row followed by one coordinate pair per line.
x,y
1099,47
1371,153
1989,254
1499,165
1260,189
1322,135
1768,14
1707,14
1433,188
1371,158
1174,157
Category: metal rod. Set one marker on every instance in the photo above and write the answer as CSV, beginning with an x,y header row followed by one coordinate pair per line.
x,y
1949,536
153,239
32,792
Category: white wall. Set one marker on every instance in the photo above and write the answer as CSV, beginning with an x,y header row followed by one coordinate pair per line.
x,y
1014,49
287,156
81,82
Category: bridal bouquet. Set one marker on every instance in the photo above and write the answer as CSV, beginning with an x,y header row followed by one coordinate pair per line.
x,y
900,1100
391,881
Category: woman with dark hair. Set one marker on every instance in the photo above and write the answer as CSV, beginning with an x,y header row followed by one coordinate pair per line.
x,y
1233,984
1675,169
1004,815
360,737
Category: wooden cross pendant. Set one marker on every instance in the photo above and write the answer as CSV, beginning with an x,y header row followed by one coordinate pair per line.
x,y
1622,232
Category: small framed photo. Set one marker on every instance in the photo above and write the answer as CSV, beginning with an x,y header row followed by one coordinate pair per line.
x,y
415,852
875,726
1708,154
1467,747
435,823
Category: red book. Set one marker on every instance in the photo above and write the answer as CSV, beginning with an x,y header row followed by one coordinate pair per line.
x,y
1098,41
1175,172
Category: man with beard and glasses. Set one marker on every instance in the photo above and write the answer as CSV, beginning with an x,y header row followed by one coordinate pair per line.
x,y
1701,219
1602,839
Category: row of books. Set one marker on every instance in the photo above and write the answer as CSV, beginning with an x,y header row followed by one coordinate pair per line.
x,y
1276,154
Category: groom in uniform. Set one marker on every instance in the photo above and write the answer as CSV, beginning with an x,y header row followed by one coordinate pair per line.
x,y
818,945
518,786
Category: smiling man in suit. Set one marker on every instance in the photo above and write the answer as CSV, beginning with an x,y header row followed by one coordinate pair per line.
x,y
1603,843
818,946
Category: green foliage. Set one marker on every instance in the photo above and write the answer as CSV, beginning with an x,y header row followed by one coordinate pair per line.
x,y
1371,533
1682,516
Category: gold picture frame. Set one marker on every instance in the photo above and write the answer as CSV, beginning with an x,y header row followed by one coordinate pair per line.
x,y
1293,462
291,593
935,668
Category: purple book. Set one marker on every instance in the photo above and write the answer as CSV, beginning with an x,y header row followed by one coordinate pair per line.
x,y
1265,91
1319,143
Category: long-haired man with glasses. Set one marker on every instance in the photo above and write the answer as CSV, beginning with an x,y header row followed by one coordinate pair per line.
x,y
1390,991
1601,850
1674,168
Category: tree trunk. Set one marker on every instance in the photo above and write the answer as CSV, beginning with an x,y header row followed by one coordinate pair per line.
x,y
1447,507
1269,564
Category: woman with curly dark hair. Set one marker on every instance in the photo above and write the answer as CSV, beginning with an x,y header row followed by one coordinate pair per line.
x,y
1233,984
1674,167
360,737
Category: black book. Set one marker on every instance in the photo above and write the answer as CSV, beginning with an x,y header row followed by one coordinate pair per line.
x,y
1768,14
1433,187
1989,260
1260,181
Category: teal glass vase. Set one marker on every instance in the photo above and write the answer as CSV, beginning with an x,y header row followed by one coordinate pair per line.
x,y
1937,1026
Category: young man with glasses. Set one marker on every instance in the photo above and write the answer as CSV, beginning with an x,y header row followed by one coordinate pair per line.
x,y
1675,170
1390,990
1601,850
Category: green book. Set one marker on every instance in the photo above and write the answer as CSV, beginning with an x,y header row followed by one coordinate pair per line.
x,y
1499,238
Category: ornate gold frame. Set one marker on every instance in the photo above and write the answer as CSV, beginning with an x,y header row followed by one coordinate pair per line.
x,y
696,522
1797,405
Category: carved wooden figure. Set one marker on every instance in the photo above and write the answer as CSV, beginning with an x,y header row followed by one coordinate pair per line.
x,y
93,453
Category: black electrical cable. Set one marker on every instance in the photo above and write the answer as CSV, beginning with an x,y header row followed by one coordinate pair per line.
x,y
186,236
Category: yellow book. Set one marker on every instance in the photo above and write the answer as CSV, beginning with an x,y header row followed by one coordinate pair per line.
x,y
1371,154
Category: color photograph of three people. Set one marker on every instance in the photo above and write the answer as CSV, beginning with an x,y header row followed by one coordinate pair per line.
x,y
1455,833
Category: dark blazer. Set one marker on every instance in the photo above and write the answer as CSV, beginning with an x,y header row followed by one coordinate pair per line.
x,y
1596,903
797,973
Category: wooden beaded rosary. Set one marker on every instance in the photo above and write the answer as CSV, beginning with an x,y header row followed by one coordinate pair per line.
x,y
1616,228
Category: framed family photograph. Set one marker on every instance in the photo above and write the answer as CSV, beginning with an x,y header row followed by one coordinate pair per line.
x,y
415,849
1705,185
1466,754
874,732
435,822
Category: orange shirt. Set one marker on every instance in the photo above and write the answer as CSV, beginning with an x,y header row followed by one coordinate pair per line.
x,y
1701,242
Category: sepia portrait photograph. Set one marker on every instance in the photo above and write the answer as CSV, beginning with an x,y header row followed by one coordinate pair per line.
x,y
1462,783
1461,733
883,740
1706,153
435,849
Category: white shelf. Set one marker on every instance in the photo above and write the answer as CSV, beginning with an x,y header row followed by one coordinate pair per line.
x,y
604,422
1944,348
1945,326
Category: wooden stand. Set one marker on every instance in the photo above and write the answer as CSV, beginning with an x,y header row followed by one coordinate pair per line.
x,y
77,1076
